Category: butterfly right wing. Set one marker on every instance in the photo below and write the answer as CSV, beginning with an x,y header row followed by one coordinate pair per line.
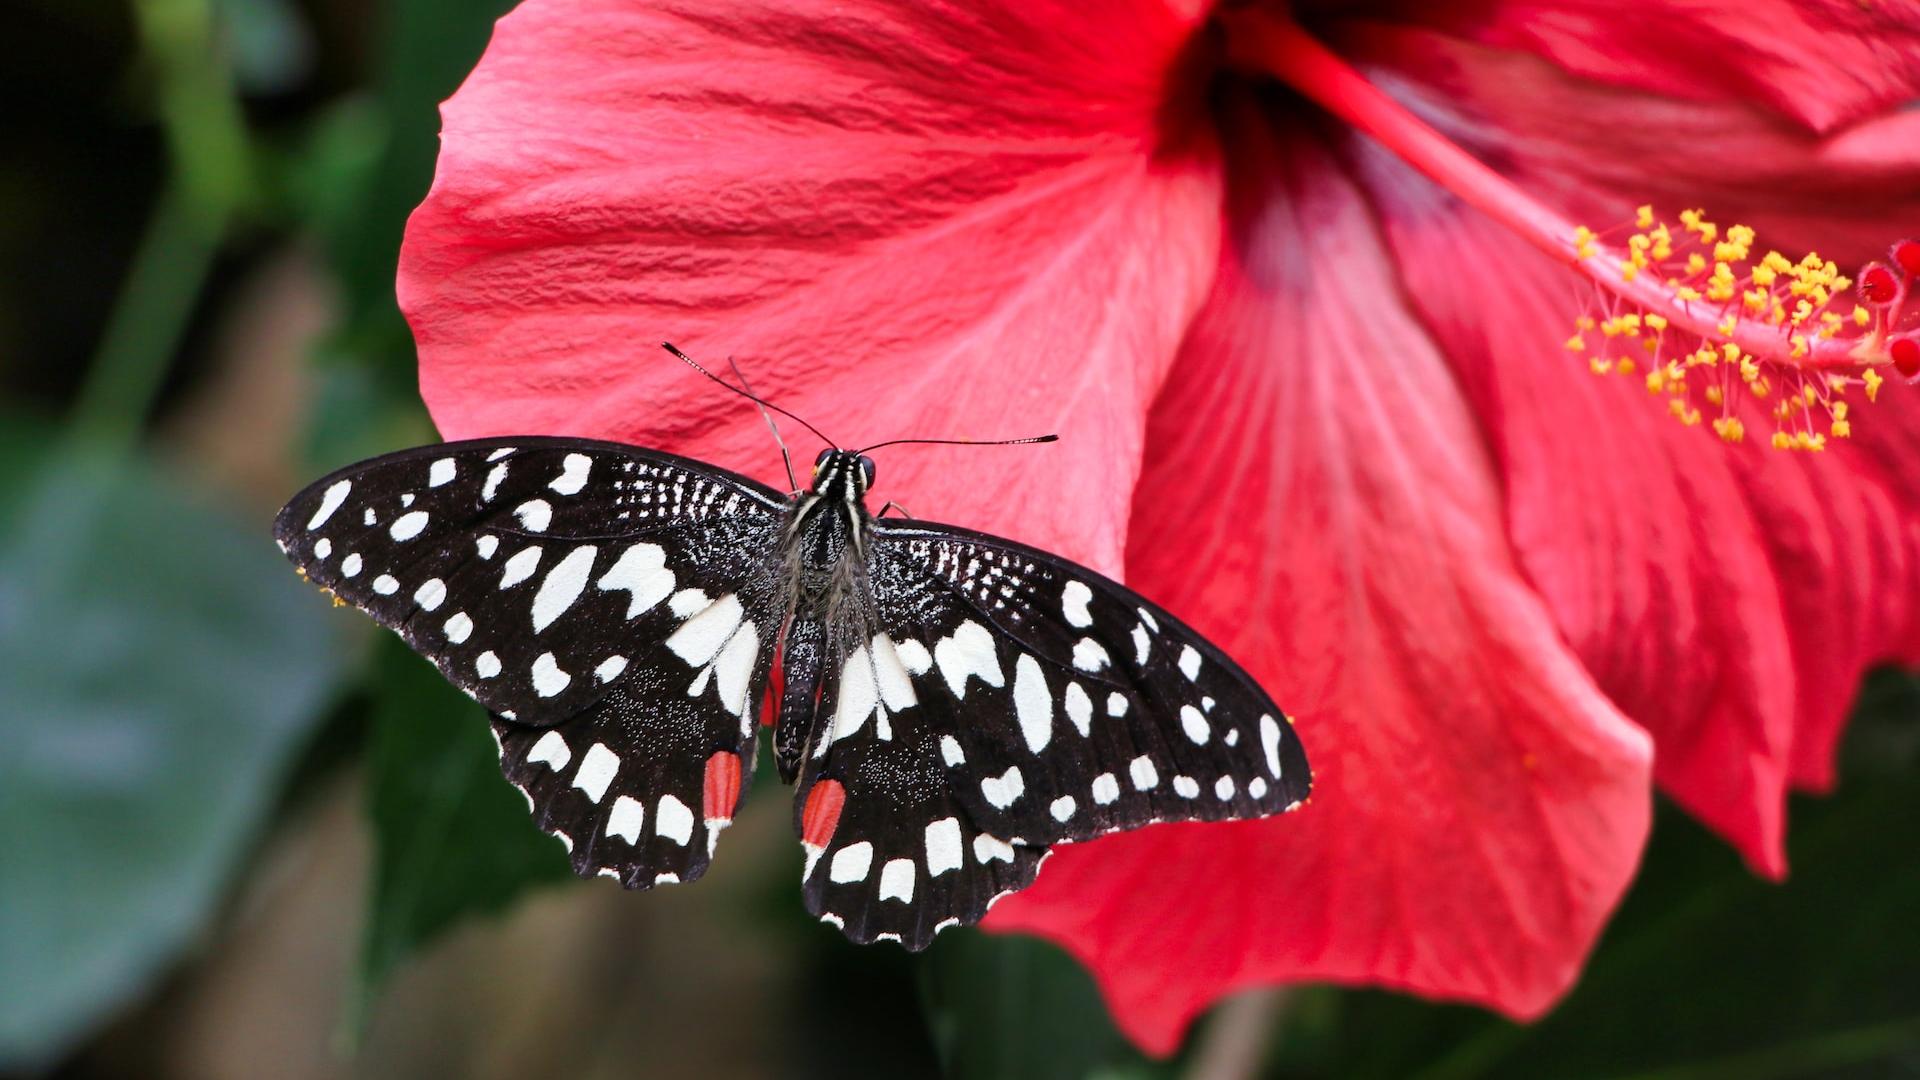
x,y
615,608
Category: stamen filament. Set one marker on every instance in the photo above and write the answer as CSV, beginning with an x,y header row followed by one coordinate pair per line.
x,y
1282,50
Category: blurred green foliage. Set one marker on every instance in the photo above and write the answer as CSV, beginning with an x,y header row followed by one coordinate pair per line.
x,y
166,678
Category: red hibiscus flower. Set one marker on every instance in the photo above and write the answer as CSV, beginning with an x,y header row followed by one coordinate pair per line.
x,y
1310,384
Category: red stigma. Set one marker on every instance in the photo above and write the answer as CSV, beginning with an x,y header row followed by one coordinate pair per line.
x,y
722,792
1906,356
1878,285
1906,255
822,814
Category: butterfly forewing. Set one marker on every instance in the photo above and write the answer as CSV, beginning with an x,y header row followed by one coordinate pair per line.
x,y
616,609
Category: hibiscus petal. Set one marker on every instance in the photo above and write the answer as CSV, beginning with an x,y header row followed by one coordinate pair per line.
x,y
1823,63
1317,498
1727,598
902,220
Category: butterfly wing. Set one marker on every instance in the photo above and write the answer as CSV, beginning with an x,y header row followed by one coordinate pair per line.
x,y
615,608
1030,702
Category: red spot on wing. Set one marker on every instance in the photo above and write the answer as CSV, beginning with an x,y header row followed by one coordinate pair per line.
x,y
722,791
776,685
822,814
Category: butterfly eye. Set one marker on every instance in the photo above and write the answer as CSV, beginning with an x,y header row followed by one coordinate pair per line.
x,y
866,470
821,460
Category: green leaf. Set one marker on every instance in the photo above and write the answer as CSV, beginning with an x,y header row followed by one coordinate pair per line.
x,y
1017,1008
160,668
1708,972
452,838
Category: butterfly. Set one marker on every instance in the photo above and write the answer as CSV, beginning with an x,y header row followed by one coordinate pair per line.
x,y
951,706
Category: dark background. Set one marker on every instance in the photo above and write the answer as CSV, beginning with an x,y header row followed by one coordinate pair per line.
x,y
244,836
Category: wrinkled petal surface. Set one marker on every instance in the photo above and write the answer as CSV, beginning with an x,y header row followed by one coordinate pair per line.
x,y
900,219
1820,63
1479,805
1728,598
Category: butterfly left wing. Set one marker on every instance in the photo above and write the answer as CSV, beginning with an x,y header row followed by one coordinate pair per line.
x,y
615,609
1007,700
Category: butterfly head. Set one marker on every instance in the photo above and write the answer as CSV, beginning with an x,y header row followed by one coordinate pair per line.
x,y
842,474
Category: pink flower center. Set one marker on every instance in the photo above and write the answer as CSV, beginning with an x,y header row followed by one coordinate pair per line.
x,y
1691,303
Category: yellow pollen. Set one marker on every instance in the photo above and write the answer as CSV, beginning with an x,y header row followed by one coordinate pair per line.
x,y
1861,316
1729,429
1873,380
1627,366
1715,396
1643,217
1841,429
1657,321
1577,343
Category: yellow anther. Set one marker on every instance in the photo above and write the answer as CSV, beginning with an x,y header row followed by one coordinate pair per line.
x,y
1728,325
1841,429
1765,276
1761,388
1627,366
1577,343
1861,316
1729,429
1687,293
1656,321
1731,353
1799,346
1583,239
1840,410
1807,395
1628,270
1584,322
1873,380
1782,441
1643,217
1656,381
1715,396
1776,262
1662,244
1802,311
1599,366
1696,263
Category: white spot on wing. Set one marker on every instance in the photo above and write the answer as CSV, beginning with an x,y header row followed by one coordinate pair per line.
x,y
1002,790
1257,788
1189,662
1079,708
1073,604
408,525
486,665
492,486
534,514
850,863
1142,644
350,565
896,881
1223,788
1147,617
548,679
1062,808
1116,704
1270,742
1186,786
1195,725
322,548
943,846
968,652
562,586
673,821
500,453
487,545
685,602
330,501
1144,775
1105,789
386,585
988,848
597,768
458,626
915,657
442,472
431,594
642,571
950,751
573,474
626,818
551,750
520,567
610,668
1032,703
1089,655
699,639
734,668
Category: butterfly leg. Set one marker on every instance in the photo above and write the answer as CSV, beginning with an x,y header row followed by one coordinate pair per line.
x,y
891,505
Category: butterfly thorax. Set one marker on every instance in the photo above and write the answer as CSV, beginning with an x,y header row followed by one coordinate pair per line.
x,y
825,543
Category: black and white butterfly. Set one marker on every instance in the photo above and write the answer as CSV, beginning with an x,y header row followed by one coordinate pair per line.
x,y
952,704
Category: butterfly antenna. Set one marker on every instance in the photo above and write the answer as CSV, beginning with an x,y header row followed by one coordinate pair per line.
x,y
785,458
964,442
762,402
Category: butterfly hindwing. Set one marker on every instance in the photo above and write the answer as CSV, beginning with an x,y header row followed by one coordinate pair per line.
x,y
615,608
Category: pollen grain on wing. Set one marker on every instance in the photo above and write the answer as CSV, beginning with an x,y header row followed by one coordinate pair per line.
x,y
1722,331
